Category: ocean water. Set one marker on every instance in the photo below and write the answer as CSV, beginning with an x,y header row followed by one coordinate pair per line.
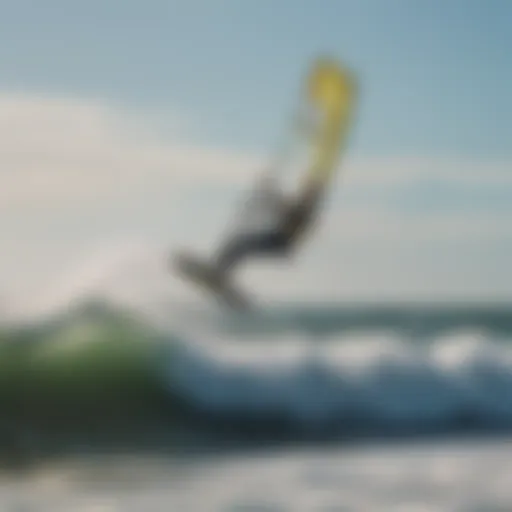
x,y
110,406
458,476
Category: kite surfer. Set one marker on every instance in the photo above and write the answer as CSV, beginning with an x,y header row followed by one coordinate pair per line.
x,y
295,216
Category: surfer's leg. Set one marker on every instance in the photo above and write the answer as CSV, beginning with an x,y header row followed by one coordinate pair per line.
x,y
241,247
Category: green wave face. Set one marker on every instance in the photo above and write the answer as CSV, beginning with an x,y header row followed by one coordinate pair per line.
x,y
83,370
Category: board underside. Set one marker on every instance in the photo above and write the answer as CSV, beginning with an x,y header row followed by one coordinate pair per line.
x,y
193,269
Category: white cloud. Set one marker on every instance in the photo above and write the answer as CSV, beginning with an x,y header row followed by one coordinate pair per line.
x,y
75,173
61,152
65,153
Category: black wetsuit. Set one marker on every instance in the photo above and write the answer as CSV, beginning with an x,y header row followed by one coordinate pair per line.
x,y
278,241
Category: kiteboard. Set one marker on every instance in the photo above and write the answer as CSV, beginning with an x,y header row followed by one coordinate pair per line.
x,y
193,268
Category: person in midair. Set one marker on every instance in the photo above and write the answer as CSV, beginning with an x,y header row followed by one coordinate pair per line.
x,y
296,217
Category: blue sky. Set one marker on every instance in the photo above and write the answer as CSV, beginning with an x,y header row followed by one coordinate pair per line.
x,y
112,95
436,74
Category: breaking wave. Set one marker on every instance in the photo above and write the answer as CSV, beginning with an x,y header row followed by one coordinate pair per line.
x,y
101,361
